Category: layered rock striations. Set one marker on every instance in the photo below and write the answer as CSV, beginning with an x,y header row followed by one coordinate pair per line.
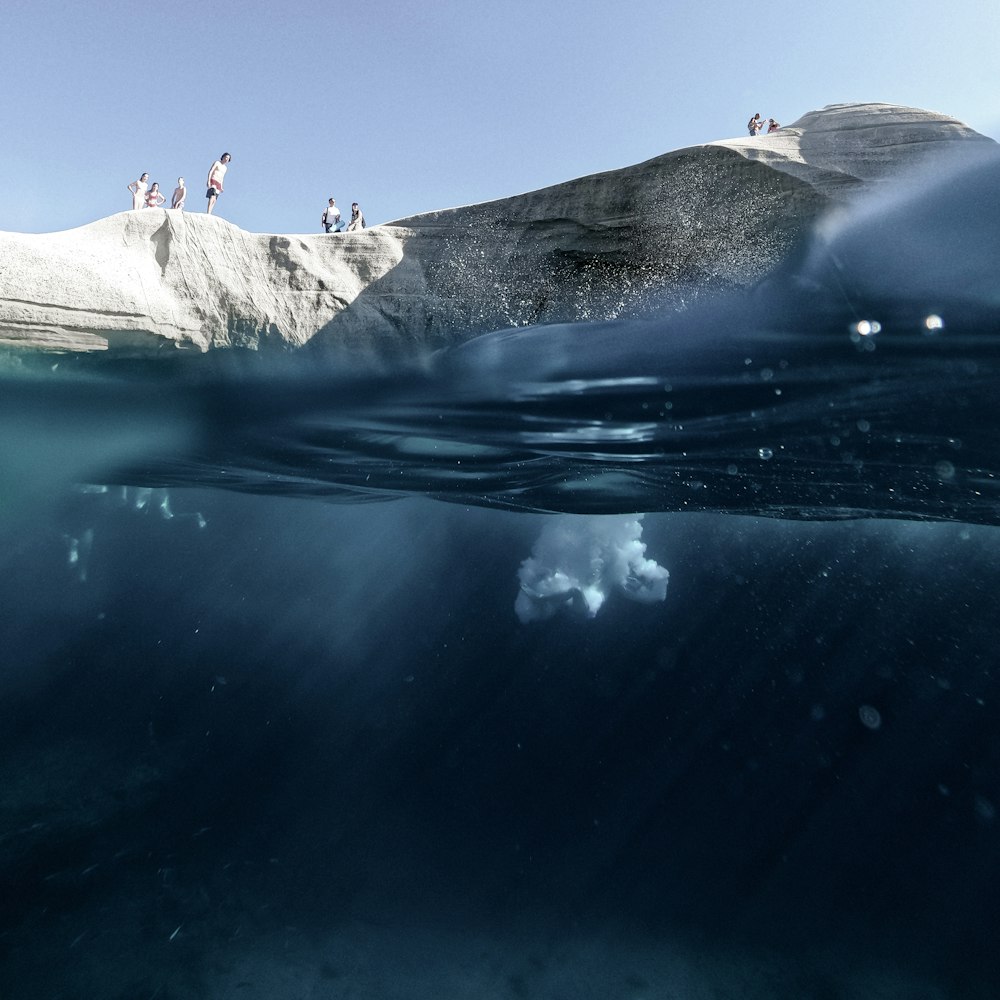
x,y
713,217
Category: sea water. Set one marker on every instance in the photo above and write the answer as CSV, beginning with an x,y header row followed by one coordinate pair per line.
x,y
649,658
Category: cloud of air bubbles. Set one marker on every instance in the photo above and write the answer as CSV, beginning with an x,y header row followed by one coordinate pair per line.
x,y
577,562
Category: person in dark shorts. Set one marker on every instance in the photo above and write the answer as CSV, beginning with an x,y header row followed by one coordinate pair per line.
x,y
215,176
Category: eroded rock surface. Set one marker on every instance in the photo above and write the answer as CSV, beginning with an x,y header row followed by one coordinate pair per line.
x,y
709,218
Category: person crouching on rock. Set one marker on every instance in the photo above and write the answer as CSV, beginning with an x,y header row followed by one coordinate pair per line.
x,y
755,124
772,126
215,176
357,219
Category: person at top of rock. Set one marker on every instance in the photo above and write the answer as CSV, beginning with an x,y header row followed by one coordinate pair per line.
x,y
755,124
138,189
357,218
772,125
154,197
215,176
331,217
180,195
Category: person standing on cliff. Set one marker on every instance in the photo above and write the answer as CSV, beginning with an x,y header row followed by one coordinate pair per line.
x,y
180,195
331,217
154,196
138,189
215,176
755,124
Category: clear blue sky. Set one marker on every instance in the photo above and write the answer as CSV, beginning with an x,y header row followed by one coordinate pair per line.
x,y
412,106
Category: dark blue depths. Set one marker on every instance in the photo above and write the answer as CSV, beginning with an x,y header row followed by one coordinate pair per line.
x,y
319,725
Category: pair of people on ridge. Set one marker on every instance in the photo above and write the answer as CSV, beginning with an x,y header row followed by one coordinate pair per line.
x,y
756,124
332,221
144,194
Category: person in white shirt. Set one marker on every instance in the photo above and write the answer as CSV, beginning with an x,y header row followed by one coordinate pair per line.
x,y
331,217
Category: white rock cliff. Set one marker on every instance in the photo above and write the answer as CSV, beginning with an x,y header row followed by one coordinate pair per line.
x,y
662,233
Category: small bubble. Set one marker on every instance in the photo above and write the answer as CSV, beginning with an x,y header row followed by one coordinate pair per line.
x,y
765,453
933,323
766,374
866,327
870,716
817,713
945,470
732,469
864,426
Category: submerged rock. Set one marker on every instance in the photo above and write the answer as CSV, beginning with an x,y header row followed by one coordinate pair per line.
x,y
664,233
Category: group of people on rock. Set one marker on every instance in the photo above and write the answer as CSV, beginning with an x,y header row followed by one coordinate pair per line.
x,y
146,195
757,123
333,223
